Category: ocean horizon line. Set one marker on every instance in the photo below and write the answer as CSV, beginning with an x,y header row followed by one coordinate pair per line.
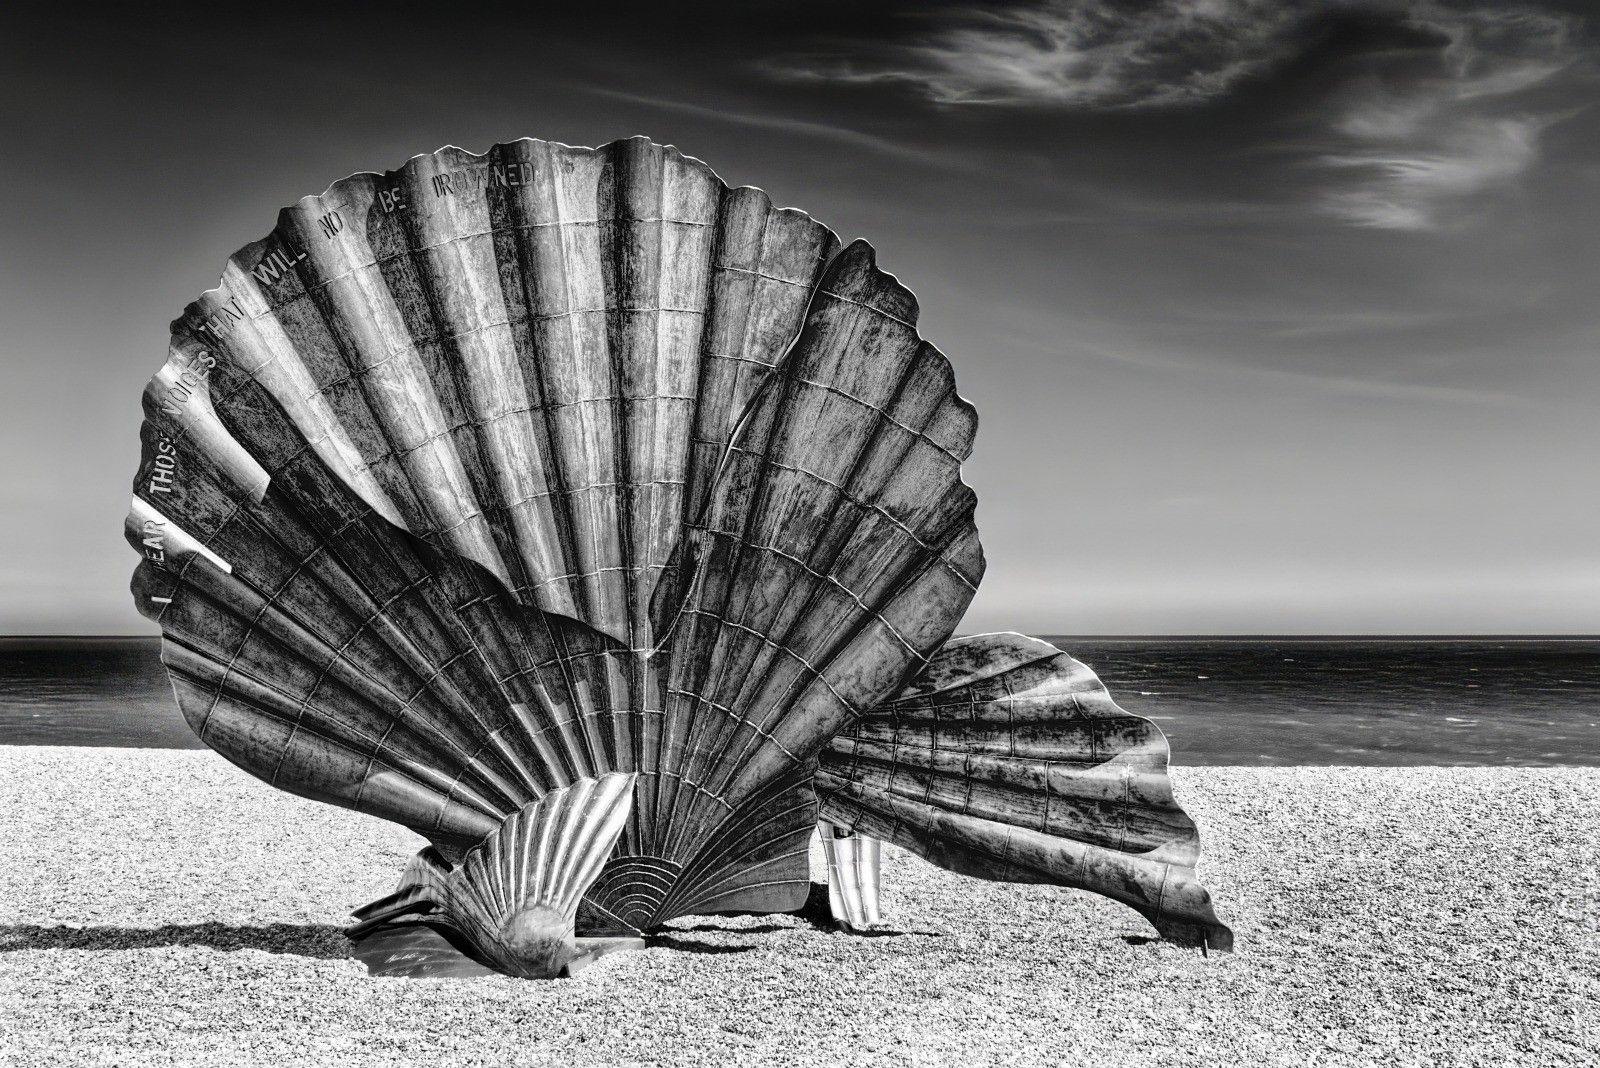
x,y
1256,699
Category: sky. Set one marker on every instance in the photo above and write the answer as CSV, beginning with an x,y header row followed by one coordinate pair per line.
x,y
1279,317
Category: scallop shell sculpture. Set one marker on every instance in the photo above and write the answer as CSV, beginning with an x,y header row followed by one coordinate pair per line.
x,y
500,477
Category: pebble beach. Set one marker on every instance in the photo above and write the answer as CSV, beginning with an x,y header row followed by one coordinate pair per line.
x,y
161,907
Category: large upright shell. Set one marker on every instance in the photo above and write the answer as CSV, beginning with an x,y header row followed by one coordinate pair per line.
x,y
495,472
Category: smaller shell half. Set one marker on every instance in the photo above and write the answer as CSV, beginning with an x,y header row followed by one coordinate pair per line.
x,y
1007,759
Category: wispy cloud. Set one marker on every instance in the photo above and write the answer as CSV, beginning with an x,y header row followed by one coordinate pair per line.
x,y
854,139
1411,133
1192,363
1419,148
1083,53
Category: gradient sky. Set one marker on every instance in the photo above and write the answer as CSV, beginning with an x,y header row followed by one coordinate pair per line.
x,y
1280,318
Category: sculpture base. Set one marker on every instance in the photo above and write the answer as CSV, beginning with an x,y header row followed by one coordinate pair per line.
x,y
419,950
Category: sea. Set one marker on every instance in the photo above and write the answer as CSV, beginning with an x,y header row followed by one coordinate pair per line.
x,y
1237,701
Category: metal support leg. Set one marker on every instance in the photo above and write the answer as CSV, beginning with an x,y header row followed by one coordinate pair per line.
x,y
852,876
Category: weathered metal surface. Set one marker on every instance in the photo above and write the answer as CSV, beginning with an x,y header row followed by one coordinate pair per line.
x,y
494,472
513,898
853,864
1007,759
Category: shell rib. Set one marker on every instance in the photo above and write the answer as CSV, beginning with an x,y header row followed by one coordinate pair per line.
x,y
514,897
1007,759
496,472
853,864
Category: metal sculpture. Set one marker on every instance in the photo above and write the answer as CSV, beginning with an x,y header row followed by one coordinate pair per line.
x,y
484,486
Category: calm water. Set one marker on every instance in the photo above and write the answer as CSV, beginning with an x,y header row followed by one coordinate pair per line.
x,y
1221,701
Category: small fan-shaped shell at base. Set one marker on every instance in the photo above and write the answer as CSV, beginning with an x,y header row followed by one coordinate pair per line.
x,y
517,894
514,897
1007,759
494,473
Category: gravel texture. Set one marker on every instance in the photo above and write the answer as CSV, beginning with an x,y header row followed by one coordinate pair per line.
x,y
161,907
